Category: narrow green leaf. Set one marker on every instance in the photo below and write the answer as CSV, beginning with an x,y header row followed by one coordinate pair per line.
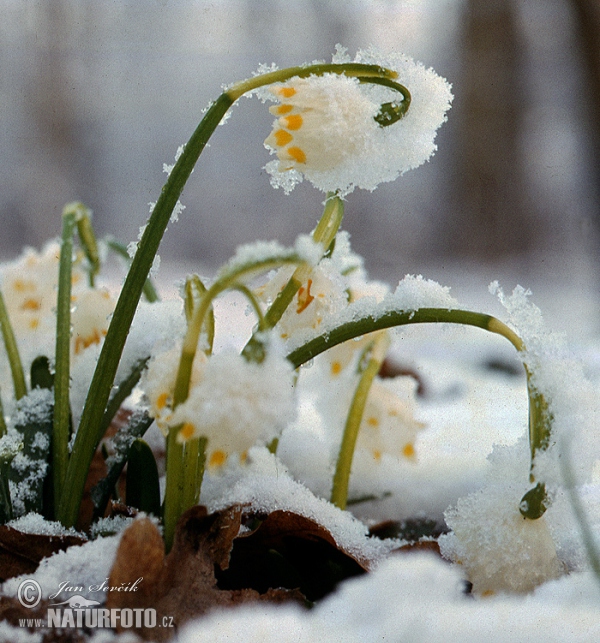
x,y
143,489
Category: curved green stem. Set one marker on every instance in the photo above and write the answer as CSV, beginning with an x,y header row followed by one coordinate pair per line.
x,y
324,233
374,356
355,70
540,418
367,323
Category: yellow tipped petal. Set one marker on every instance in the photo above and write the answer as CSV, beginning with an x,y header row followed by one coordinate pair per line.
x,y
284,92
187,432
282,137
296,154
217,459
408,451
293,121
161,401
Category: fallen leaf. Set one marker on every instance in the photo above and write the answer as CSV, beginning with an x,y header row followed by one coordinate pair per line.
x,y
21,553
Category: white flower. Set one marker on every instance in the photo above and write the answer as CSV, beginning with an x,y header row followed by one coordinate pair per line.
x,y
388,424
90,318
232,402
158,383
29,286
320,295
500,550
237,403
326,129
29,289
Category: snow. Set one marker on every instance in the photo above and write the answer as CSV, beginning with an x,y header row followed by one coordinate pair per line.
x,y
33,523
84,566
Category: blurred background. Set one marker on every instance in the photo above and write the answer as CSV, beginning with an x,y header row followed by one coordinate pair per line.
x,y
96,95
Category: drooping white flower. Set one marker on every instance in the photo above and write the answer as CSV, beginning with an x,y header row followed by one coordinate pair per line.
x,y
237,403
90,318
232,402
29,286
388,424
326,129
320,295
500,550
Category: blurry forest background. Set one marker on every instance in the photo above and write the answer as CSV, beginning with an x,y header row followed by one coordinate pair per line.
x,y
96,95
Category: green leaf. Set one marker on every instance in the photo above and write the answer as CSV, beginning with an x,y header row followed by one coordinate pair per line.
x,y
143,490
138,424
40,374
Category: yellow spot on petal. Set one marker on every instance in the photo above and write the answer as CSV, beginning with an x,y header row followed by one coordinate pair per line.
x,y
286,92
282,137
487,592
161,401
243,456
377,454
187,431
217,459
283,109
296,154
293,121
372,421
20,286
31,304
83,341
34,323
408,451
336,368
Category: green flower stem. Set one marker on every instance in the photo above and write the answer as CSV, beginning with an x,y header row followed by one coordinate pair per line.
x,y
174,491
540,419
195,291
375,355
185,464
12,352
62,376
89,431
355,70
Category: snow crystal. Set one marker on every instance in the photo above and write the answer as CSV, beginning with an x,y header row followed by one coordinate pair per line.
x,y
33,523
236,402
415,292
254,253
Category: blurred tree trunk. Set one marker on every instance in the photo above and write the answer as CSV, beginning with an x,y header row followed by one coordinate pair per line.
x,y
491,219
587,19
